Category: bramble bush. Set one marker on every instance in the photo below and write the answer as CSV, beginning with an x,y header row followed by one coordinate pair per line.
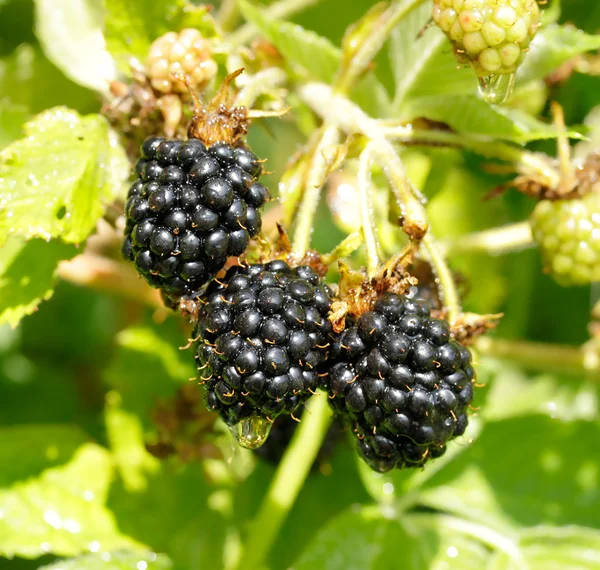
x,y
443,148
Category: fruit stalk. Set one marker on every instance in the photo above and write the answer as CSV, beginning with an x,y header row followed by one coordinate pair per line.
x,y
287,482
369,230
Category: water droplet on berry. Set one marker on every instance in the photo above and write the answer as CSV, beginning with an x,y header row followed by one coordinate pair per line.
x,y
496,89
252,432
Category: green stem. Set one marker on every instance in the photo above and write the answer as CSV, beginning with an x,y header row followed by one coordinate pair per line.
x,y
543,357
317,174
350,118
287,482
280,10
366,211
496,241
372,43
444,277
529,162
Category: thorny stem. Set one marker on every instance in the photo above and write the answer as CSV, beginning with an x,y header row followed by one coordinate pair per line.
x,y
527,161
281,10
543,357
366,211
317,174
496,241
444,278
287,482
351,119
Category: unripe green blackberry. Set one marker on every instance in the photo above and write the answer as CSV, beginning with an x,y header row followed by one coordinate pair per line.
x,y
186,53
568,233
493,35
263,339
401,383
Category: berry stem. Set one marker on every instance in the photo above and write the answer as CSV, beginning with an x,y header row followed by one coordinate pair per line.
x,y
496,241
365,205
350,118
543,357
321,162
444,278
280,10
287,482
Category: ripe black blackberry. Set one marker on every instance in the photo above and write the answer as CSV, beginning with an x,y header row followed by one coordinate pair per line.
x,y
194,203
263,339
401,383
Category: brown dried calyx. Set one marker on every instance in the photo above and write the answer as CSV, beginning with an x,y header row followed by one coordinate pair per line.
x,y
221,120
357,293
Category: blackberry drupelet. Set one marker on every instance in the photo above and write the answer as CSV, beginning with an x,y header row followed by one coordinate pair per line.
x,y
401,383
190,209
263,339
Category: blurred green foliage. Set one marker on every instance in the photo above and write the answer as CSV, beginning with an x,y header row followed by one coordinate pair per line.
x,y
81,377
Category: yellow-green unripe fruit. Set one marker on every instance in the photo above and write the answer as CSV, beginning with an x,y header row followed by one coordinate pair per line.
x,y
568,234
493,35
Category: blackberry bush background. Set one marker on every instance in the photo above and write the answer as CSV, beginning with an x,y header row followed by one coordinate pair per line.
x,y
90,360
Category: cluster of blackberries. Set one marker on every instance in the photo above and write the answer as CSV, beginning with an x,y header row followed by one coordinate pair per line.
x,y
264,340
190,209
401,383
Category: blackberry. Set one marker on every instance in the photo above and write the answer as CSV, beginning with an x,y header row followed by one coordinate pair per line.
x,y
263,339
191,208
568,233
493,35
401,383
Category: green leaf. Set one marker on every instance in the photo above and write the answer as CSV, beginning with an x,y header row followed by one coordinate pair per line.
x,y
126,438
553,46
312,55
148,365
62,511
27,275
117,560
22,73
523,471
70,32
132,25
364,540
12,117
47,446
555,548
57,180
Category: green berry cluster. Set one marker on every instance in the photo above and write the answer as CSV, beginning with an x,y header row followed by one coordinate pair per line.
x,y
492,35
568,233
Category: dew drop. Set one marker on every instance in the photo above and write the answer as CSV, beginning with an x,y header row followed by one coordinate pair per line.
x,y
252,432
496,89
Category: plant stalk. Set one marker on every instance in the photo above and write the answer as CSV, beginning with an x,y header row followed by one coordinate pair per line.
x,y
365,205
496,241
317,174
287,482
543,357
